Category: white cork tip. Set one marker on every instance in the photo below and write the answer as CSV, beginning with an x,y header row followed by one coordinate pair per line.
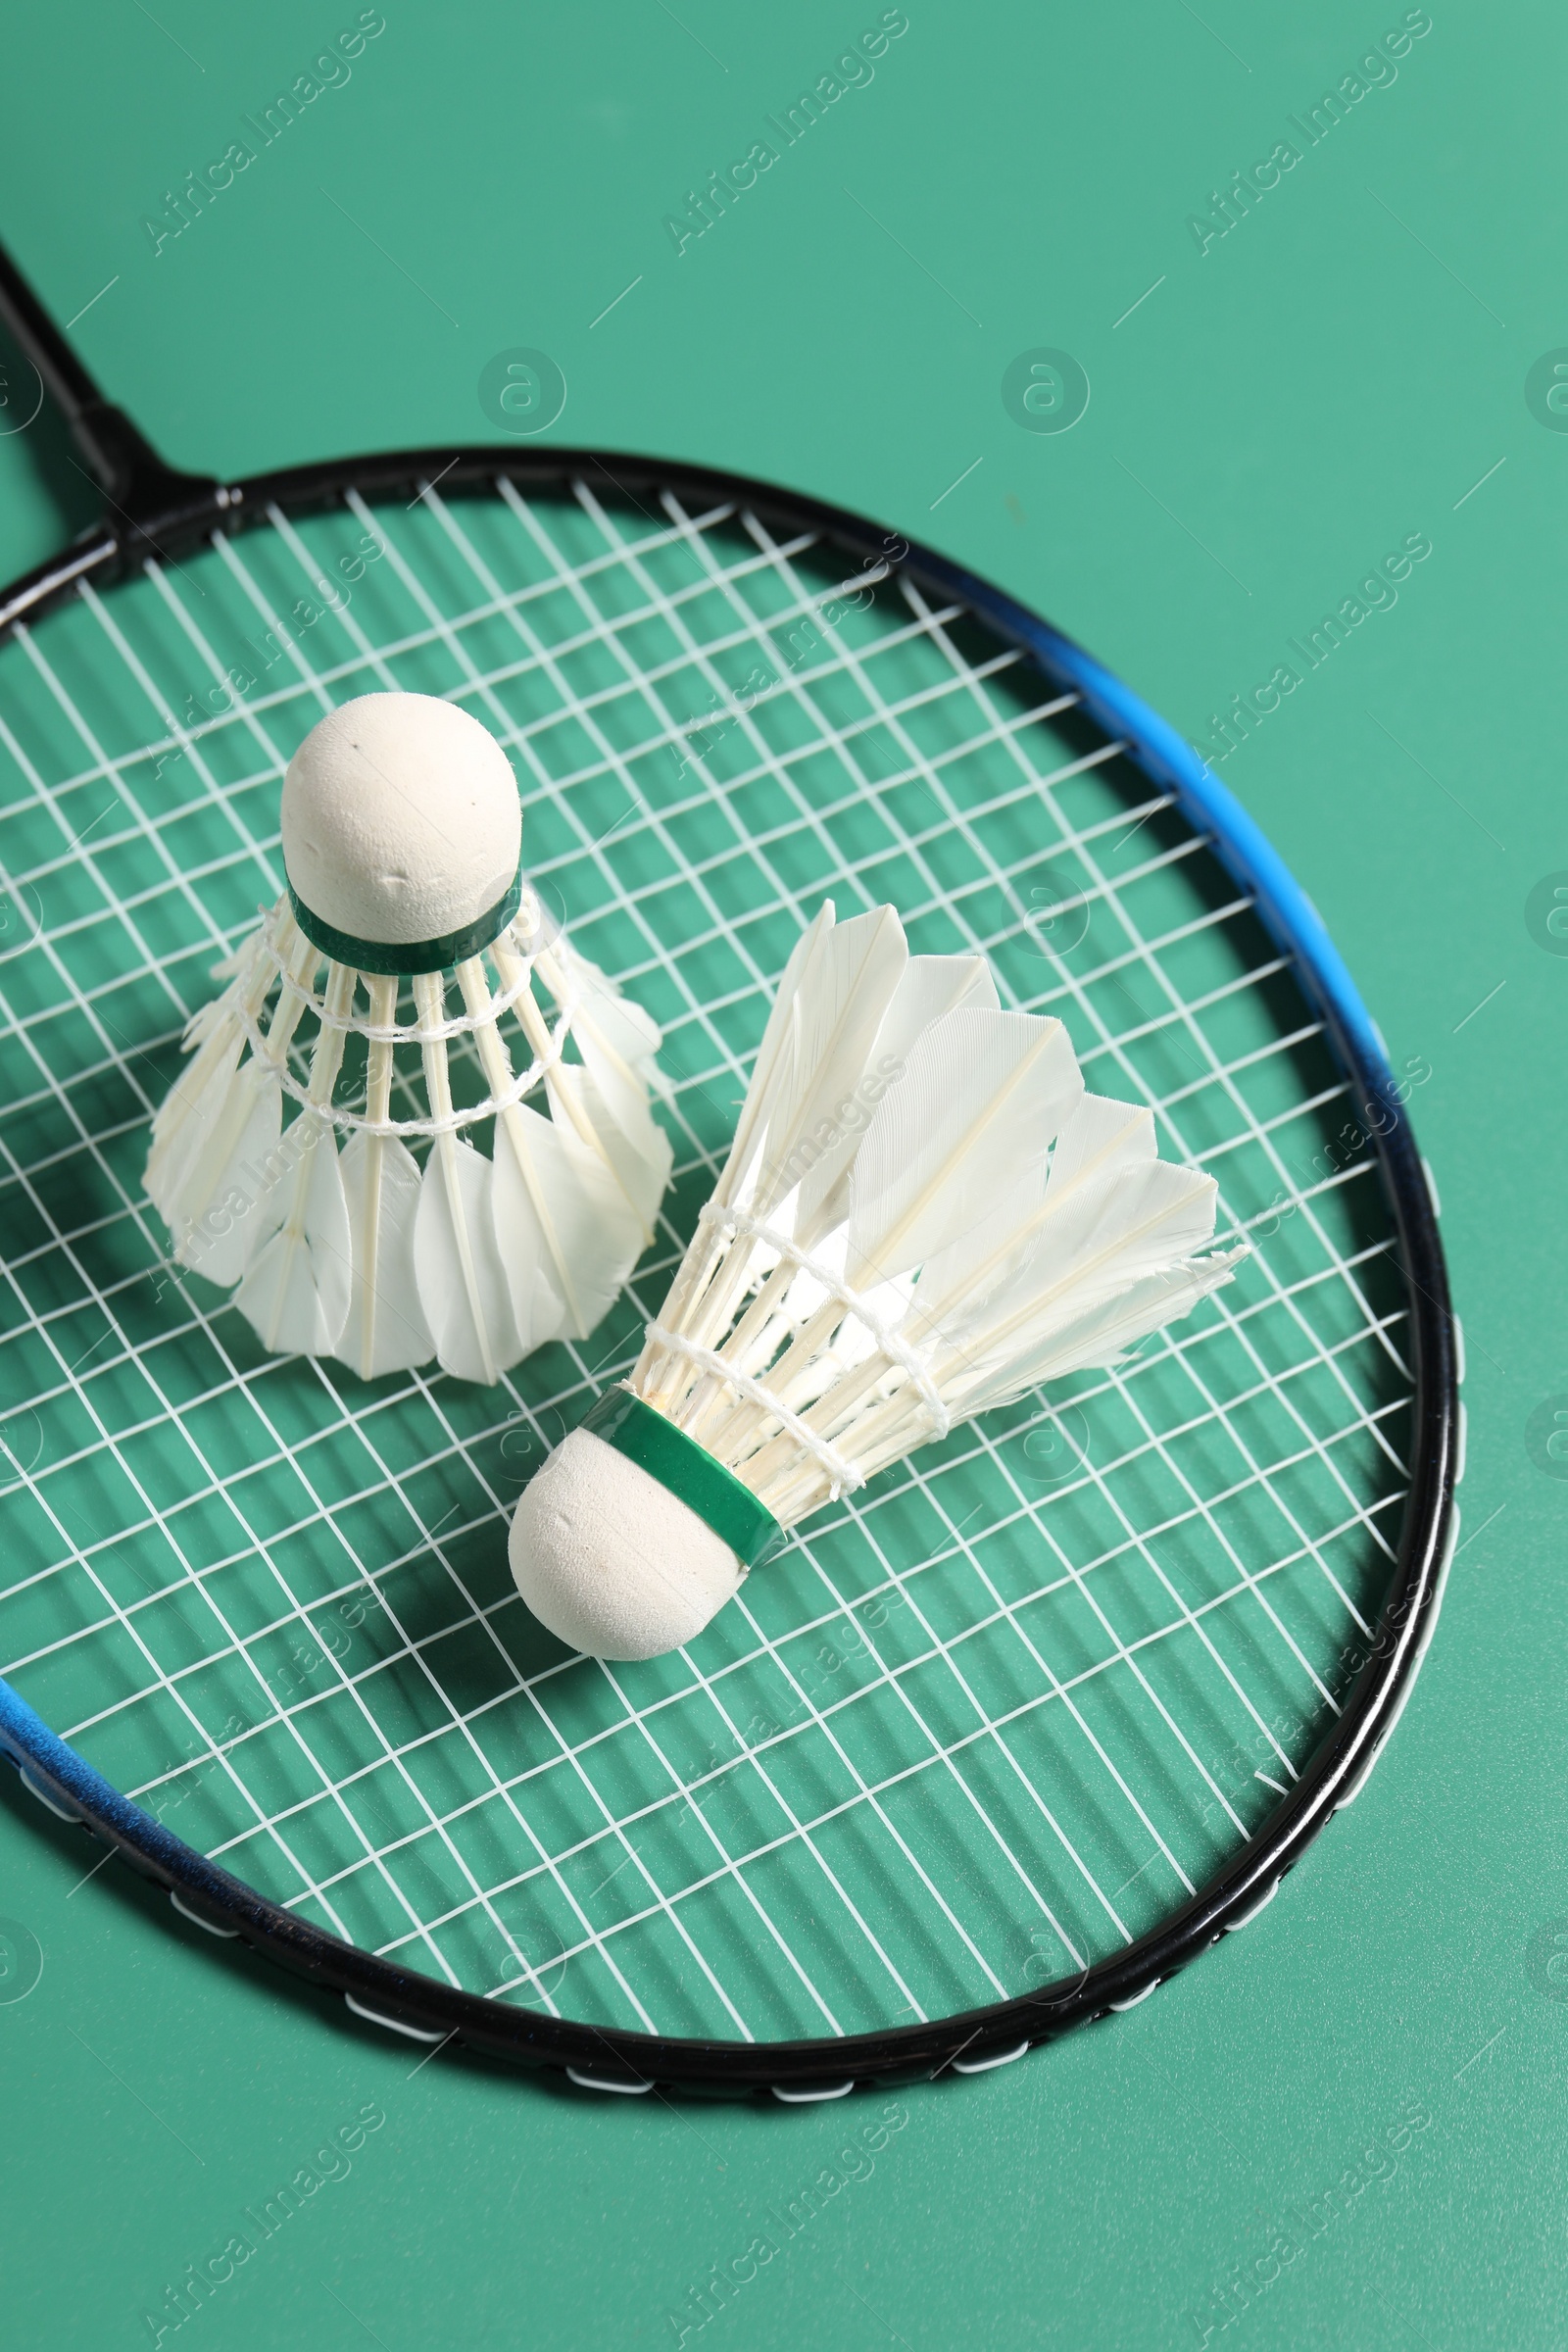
x,y
401,819
612,1562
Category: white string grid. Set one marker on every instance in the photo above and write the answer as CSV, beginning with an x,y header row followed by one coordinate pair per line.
x,y
983,1722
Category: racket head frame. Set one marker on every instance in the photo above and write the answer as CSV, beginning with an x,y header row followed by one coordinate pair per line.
x,y
152,510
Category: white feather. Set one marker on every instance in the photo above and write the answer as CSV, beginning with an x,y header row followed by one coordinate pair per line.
x,y
812,1059
928,987
235,965
210,1213
1098,1335
203,1081
641,1167
1100,1133
566,1233
220,1122
298,1276
624,1028
981,1098
959,1286
623,1101
298,1266
1109,1234
204,1021
626,1141
776,1035
386,1329
213,1042
185,1117
462,1282
1132,1217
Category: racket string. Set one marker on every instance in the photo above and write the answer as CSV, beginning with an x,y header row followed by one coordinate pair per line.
x,y
803,847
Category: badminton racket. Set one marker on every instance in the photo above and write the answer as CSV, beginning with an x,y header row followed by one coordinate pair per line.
x,y
996,1745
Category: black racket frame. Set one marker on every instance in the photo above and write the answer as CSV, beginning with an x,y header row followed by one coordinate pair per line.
x,y
153,512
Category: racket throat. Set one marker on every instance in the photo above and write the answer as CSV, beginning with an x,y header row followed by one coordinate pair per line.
x,y
140,489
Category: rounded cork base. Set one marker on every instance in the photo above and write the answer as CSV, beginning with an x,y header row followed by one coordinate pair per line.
x,y
612,1562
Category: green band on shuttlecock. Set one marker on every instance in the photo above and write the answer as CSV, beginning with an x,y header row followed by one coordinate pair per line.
x,y
688,1471
421,956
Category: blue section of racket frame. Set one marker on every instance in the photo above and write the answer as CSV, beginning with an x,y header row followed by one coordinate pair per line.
x,y
158,508
1210,808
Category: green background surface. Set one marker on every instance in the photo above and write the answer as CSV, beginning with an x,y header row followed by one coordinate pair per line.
x,y
1346,367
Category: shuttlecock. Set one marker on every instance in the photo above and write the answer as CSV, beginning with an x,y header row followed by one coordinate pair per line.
x,y
923,1216
402,833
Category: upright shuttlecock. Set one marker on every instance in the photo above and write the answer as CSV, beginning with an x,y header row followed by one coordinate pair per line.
x,y
402,833
923,1216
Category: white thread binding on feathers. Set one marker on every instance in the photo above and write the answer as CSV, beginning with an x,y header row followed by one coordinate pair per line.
x,y
897,1351
844,1475
351,1122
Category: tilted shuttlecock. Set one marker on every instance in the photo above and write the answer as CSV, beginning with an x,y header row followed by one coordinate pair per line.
x,y
923,1216
402,833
